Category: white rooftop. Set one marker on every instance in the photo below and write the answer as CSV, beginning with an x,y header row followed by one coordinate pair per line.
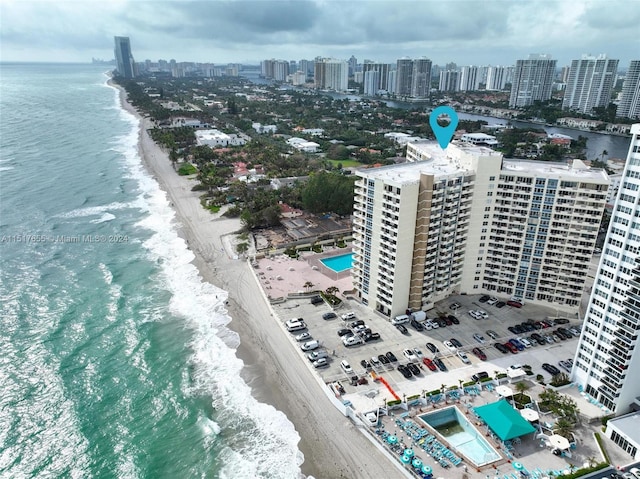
x,y
576,169
211,135
629,425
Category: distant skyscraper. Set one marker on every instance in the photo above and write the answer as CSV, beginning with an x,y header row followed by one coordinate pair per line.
x,y
382,69
353,63
331,74
607,362
371,82
125,64
404,73
496,78
280,70
391,81
469,80
421,78
532,80
590,83
449,81
629,106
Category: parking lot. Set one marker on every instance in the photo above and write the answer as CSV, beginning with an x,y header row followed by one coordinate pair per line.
x,y
325,331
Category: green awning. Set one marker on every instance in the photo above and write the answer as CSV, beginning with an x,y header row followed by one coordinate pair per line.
x,y
504,420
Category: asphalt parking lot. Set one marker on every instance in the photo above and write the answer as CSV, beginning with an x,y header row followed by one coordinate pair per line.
x,y
325,331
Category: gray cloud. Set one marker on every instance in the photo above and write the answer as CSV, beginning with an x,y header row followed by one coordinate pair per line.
x,y
468,32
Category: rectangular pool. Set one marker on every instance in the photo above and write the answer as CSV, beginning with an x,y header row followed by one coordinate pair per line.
x,y
338,263
461,435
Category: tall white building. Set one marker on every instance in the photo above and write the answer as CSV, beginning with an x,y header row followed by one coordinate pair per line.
x,y
496,78
383,73
465,220
629,106
449,81
532,80
607,362
371,82
413,77
125,65
590,83
469,79
331,74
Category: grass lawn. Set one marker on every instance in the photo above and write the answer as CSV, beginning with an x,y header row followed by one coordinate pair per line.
x,y
346,163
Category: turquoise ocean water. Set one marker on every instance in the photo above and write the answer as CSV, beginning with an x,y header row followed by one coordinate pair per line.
x,y
115,358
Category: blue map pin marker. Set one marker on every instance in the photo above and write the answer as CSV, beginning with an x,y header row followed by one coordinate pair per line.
x,y
443,133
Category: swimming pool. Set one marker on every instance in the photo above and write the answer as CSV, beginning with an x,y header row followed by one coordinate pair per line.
x,y
338,263
461,435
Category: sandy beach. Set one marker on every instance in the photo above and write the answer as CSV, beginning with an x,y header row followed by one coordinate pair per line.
x,y
332,445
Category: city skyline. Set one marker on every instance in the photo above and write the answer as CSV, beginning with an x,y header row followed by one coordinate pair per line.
x,y
245,32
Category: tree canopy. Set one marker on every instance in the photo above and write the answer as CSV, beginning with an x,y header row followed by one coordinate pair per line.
x,y
329,192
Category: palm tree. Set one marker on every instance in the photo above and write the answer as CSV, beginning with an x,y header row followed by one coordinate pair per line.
x,y
332,290
604,152
308,285
564,427
521,387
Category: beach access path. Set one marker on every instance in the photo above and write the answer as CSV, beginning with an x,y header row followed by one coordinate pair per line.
x,y
331,443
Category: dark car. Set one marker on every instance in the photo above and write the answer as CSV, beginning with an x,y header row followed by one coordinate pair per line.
x,y
519,346
316,300
365,364
441,322
402,329
405,371
511,348
515,303
432,347
501,348
447,320
391,357
478,352
500,304
485,298
383,359
453,319
456,343
345,332
440,364
561,321
416,325
537,325
371,337
545,324
330,315
415,370
428,363
551,369
538,338
357,322
527,327
566,332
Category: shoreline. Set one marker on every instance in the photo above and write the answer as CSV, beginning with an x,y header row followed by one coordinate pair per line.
x,y
332,444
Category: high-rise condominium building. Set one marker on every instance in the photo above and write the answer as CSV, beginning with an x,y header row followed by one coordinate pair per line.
x,y
469,79
496,78
607,362
413,77
383,73
465,220
331,74
404,72
125,65
532,80
371,82
590,83
629,106
449,81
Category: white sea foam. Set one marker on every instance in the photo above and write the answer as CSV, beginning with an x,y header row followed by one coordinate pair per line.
x,y
6,168
260,441
104,218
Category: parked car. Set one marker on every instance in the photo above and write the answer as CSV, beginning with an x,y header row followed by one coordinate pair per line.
x,y
371,337
479,353
538,337
456,343
293,322
409,354
405,371
375,362
310,345
454,306
480,375
416,325
391,356
485,298
560,321
317,354
500,304
440,364
365,364
447,320
440,322
402,319
449,345
415,370
517,344
402,329
296,326
479,337
383,359
321,363
501,347
565,365
492,334
492,301
330,315
430,364
348,316
432,347
474,314
351,341
453,319
515,303
551,369
418,353
345,332
357,322
303,337
525,342
346,367
316,300
511,348
463,357
431,323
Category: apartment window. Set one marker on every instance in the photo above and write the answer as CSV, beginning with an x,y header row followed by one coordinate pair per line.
x,y
487,208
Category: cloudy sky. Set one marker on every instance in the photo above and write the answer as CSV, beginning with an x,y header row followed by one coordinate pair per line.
x,y
466,32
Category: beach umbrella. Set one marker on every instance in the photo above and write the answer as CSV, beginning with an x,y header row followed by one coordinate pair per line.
x,y
408,452
518,466
426,469
405,459
392,439
416,462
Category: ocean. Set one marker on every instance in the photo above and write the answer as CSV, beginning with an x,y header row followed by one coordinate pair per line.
x,y
116,358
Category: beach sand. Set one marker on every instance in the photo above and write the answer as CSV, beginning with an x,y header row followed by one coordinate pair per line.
x,y
332,445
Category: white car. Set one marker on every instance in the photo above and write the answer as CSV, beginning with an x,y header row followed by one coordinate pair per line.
x,y
482,314
410,355
526,342
293,322
475,314
321,363
427,325
492,300
351,340
346,367
303,337
418,353
449,345
479,338
432,324
375,362
310,345
348,316
463,357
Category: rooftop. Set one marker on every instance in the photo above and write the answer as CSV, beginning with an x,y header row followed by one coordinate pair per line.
x,y
576,169
628,425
